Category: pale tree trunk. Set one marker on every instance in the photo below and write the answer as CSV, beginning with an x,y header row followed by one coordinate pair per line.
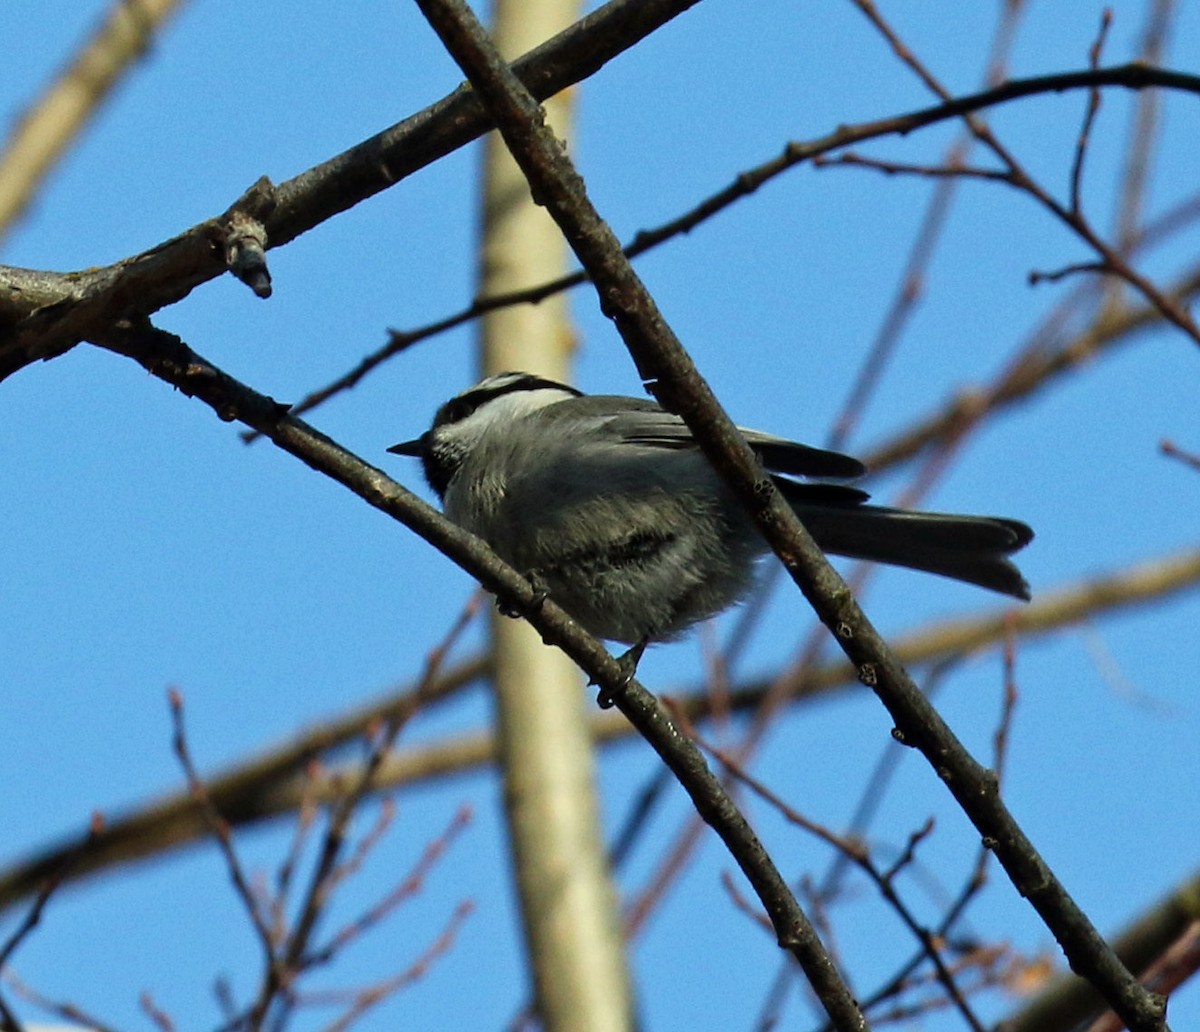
x,y
44,132
568,905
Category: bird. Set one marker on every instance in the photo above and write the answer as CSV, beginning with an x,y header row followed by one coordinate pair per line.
x,y
608,505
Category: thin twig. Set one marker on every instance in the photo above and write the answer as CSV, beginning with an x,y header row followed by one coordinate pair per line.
x,y
1173,451
744,905
221,832
46,314
156,1014
346,869
265,786
858,854
306,815
1009,706
674,379
660,359
411,884
66,1011
376,994
903,303
327,871
1178,963
1089,117
1143,134
262,788
33,917
51,885
743,185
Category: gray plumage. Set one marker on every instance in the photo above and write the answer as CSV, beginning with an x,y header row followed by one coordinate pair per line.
x,y
608,502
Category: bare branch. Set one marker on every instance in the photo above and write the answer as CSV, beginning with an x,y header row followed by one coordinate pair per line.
x,y
1179,962
8,1020
221,832
43,314
1036,365
743,185
161,1019
70,1012
268,786
1089,118
675,380
858,854
555,183
1069,1002
367,998
408,887
1173,451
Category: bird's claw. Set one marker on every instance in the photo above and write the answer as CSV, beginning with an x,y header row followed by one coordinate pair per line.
x,y
606,698
515,610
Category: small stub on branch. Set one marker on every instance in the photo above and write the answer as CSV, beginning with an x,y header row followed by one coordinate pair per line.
x,y
246,252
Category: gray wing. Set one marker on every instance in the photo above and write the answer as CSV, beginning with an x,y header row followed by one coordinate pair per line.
x,y
644,422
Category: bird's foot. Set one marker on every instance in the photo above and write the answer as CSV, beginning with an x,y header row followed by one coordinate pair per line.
x,y
628,661
514,610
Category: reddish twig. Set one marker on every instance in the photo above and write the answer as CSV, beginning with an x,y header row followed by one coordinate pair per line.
x,y
353,864
1136,76
220,830
66,1011
364,999
744,905
1173,451
412,883
33,916
156,1014
306,816
1143,133
324,876
1175,966
1009,707
858,853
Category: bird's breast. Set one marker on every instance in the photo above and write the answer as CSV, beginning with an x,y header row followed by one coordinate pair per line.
x,y
475,502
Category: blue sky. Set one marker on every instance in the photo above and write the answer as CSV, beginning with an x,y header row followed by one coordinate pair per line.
x,y
146,546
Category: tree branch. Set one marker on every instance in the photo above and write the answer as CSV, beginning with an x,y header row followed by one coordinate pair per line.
x,y
43,314
662,360
168,358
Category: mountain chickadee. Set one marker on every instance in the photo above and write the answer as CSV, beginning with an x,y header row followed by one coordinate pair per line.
x,y
608,504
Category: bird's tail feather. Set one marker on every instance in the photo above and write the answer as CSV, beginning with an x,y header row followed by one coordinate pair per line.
x,y
966,548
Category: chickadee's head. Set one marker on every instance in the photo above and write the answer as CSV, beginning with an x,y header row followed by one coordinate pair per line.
x,y
465,418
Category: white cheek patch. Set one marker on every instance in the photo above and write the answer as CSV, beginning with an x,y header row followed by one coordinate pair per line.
x,y
500,411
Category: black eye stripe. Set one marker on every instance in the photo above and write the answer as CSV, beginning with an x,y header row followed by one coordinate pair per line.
x,y
466,404
457,409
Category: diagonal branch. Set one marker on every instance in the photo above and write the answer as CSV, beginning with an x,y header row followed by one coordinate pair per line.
x,y
272,784
43,314
662,360
742,185
168,358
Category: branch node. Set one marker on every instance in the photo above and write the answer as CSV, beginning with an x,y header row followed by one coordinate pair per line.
x,y
244,238
245,244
